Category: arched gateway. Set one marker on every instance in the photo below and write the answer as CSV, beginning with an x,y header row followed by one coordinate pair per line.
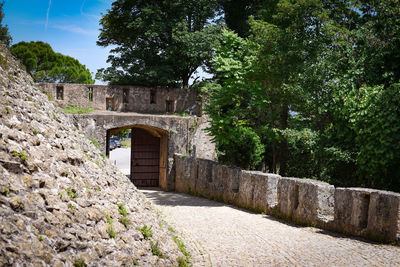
x,y
149,154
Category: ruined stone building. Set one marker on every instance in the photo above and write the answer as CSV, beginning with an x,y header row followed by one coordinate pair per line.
x,y
164,121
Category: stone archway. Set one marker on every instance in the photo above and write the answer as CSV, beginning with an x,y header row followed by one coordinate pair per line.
x,y
149,144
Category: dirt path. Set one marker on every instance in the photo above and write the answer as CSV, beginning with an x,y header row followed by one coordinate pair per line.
x,y
221,235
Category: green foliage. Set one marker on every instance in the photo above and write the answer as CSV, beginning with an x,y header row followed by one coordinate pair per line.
x,y
111,231
45,65
5,37
317,82
94,142
146,231
125,221
126,143
6,191
157,43
40,238
373,114
156,250
122,210
108,218
123,133
79,263
74,109
21,155
135,262
241,147
72,194
183,262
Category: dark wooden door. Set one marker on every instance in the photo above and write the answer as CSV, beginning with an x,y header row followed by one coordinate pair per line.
x,y
145,164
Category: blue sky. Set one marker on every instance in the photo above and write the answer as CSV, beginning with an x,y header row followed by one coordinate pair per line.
x,y
69,26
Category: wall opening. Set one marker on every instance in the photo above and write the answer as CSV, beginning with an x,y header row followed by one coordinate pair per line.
x,y
125,95
90,93
148,155
169,106
60,92
152,96
109,103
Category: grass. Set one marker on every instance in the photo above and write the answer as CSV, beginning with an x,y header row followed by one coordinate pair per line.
x,y
49,95
156,250
146,231
108,218
6,191
125,221
21,155
126,143
182,261
111,231
72,194
94,142
135,262
74,109
79,263
122,210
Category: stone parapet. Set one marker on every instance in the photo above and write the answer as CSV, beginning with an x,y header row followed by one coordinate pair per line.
x,y
366,212
369,213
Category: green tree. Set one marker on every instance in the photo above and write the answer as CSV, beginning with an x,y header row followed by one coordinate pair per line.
x,y
237,12
157,42
4,34
45,65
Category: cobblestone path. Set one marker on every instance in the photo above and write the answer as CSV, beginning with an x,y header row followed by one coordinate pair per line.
x,y
217,234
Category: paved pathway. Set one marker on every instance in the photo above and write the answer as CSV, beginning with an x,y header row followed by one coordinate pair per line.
x,y
121,157
221,235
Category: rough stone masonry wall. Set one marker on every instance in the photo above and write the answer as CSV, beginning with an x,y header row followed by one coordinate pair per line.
x,y
59,197
369,213
138,98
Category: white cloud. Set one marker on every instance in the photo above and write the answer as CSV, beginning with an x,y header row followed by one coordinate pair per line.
x,y
47,15
73,29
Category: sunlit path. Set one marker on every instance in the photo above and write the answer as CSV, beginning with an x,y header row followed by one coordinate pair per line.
x,y
221,235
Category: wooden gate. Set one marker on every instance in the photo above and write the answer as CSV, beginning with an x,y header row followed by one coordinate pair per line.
x,y
145,158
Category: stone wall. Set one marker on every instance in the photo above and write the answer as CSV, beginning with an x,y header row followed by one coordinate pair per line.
x,y
61,202
183,134
369,213
138,99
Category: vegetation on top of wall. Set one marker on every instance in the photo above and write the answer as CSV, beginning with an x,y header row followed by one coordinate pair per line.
x,y
74,109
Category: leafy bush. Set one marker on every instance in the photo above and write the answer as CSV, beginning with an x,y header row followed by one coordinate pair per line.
x,y
241,148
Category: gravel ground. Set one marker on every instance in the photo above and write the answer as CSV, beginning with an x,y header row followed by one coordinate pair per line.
x,y
217,234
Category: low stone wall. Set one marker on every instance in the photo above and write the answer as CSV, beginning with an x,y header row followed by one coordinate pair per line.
x,y
369,213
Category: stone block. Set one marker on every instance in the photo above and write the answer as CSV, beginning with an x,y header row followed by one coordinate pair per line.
x,y
231,193
351,209
288,196
186,174
306,201
204,177
265,196
225,183
315,202
246,189
384,216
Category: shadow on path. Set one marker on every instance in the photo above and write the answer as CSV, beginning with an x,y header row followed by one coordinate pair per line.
x,y
174,199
